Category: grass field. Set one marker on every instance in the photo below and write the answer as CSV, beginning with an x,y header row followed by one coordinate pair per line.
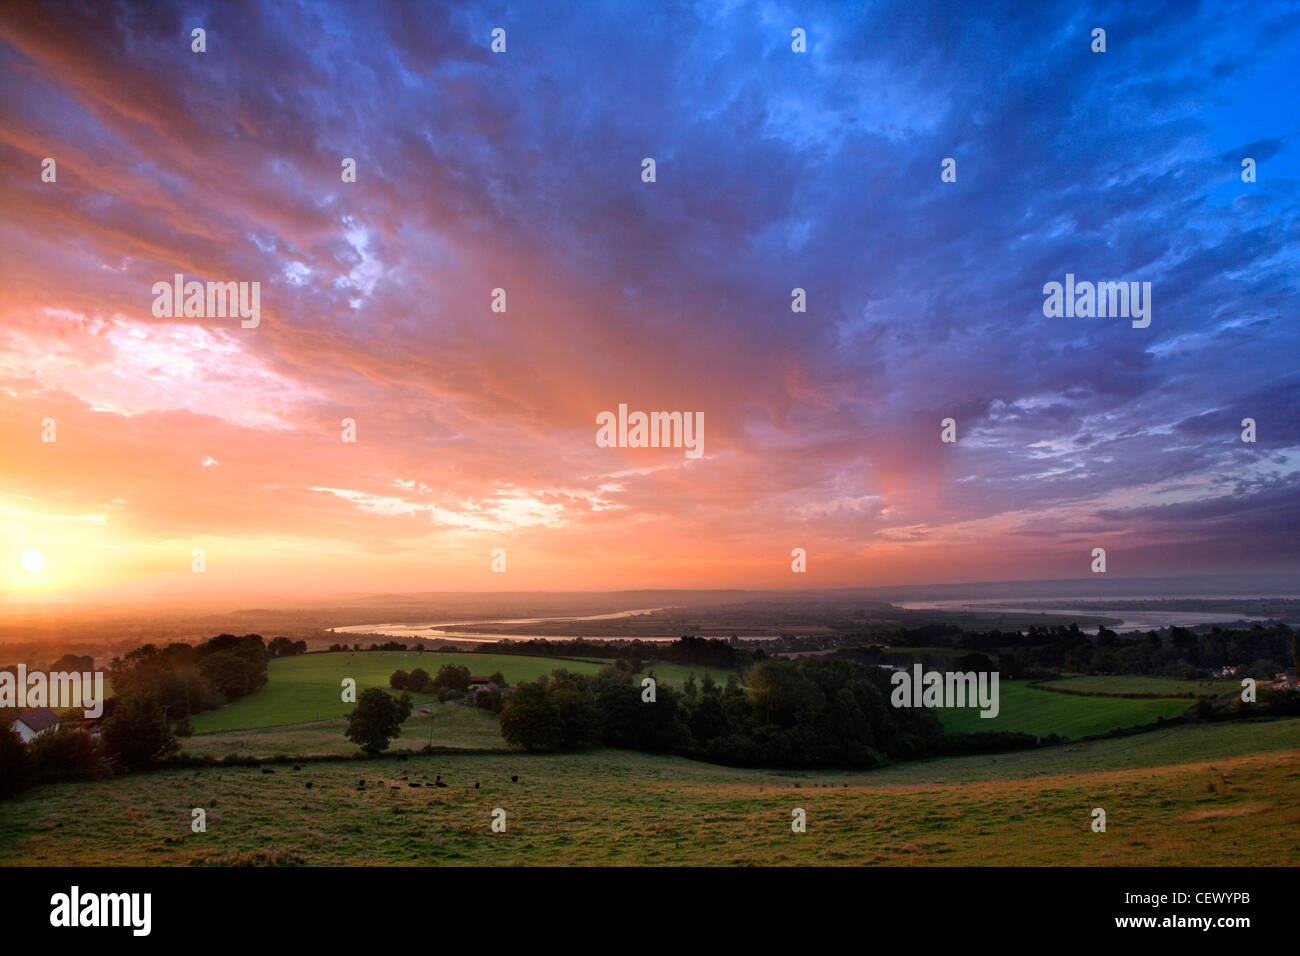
x,y
675,674
1133,684
453,725
1213,805
1029,710
308,687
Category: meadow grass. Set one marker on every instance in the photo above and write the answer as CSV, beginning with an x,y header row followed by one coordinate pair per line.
x,y
1136,684
452,724
675,675
1026,709
621,807
308,687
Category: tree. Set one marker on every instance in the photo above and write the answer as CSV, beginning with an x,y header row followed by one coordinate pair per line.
x,y
231,673
689,688
419,681
377,719
454,676
13,762
573,700
137,734
399,679
529,719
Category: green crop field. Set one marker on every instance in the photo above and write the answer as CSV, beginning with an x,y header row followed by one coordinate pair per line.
x,y
308,687
1133,684
1040,712
1234,794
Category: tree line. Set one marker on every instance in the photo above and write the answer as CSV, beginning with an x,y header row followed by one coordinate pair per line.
x,y
808,713
155,691
1038,652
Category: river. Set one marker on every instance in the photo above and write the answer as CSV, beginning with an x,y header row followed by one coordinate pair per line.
x,y
438,629
1132,620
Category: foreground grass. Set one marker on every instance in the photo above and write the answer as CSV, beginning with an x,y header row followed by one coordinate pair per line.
x,y
619,807
1030,710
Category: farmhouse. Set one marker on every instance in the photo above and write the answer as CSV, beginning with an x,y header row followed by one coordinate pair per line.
x,y
33,723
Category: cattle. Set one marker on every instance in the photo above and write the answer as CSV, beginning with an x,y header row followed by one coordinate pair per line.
x,y
308,784
267,770
514,778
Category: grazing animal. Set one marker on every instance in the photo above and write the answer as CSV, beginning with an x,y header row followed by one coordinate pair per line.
x,y
308,784
438,782
267,770
415,785
296,767
405,777
361,785
475,784
514,778
394,787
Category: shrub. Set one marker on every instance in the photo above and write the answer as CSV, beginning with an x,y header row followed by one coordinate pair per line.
x,y
14,770
137,735
65,754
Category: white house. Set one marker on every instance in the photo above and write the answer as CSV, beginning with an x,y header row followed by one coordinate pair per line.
x,y
33,723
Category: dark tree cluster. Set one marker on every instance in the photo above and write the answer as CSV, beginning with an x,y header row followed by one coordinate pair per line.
x,y
283,647
810,713
1258,651
187,679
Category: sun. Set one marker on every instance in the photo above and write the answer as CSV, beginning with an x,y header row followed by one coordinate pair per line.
x,y
33,562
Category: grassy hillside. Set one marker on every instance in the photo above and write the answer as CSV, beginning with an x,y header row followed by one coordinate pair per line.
x,y
1030,710
616,807
308,687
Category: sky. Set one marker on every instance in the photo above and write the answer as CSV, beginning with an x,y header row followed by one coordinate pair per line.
x,y
523,170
